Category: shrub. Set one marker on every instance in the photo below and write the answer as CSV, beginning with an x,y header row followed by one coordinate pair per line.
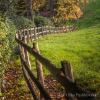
x,y
22,22
4,45
8,46
42,21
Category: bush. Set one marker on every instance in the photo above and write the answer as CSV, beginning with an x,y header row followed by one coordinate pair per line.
x,y
42,21
5,50
22,22
8,45
3,28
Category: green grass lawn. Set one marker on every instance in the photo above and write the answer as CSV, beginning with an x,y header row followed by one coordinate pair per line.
x,y
80,48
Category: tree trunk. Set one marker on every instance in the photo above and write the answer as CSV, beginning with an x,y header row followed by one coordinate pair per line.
x,y
29,9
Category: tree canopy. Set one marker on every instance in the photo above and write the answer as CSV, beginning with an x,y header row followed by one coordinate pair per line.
x,y
67,9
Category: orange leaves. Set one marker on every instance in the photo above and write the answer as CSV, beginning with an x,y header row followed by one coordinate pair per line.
x,y
37,3
68,9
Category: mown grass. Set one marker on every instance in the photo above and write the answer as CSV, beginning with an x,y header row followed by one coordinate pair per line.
x,y
81,48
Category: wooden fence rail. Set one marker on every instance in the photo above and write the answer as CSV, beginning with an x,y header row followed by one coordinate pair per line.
x,y
33,78
37,32
66,79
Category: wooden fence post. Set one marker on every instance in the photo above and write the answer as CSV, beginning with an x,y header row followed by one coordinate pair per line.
x,y
27,78
49,29
30,32
26,53
21,49
30,84
67,70
28,36
46,28
37,29
39,67
35,34
25,56
42,30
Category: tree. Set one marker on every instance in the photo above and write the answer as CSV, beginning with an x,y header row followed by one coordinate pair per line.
x,y
3,6
37,4
29,9
67,9
21,7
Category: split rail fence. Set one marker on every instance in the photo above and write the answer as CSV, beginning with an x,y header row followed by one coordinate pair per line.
x,y
63,75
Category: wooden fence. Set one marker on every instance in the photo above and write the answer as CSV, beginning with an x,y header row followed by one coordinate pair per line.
x,y
37,32
63,75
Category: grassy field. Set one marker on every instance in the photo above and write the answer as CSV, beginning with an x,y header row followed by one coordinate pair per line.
x,y
81,48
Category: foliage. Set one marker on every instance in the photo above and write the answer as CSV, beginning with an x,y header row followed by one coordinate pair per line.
x,y
42,21
92,15
21,7
3,6
3,28
9,24
5,50
7,7
48,5
67,9
37,4
22,22
8,27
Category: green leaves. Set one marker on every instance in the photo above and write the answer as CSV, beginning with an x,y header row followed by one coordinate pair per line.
x,y
42,21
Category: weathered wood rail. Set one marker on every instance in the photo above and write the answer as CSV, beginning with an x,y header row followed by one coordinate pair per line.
x,y
64,75
37,32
